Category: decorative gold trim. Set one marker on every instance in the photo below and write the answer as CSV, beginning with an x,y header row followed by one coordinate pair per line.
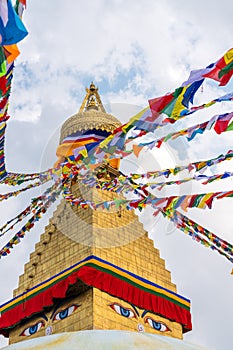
x,y
88,120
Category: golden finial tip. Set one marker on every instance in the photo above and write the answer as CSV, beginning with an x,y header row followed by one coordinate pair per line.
x,y
92,87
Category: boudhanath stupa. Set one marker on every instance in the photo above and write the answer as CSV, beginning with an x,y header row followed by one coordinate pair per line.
x,y
95,279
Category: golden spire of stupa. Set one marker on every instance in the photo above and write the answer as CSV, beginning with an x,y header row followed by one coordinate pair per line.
x,y
92,100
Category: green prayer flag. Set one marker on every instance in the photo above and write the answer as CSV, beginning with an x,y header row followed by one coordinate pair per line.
x,y
230,127
2,63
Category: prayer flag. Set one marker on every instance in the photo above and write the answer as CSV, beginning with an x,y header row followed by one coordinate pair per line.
x,y
11,52
20,5
12,29
158,104
223,69
3,68
230,127
222,122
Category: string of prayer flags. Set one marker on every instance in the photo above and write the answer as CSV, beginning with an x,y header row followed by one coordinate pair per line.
x,y
225,98
146,122
200,234
5,87
9,225
214,239
201,201
122,184
220,71
12,30
199,166
16,193
50,197
2,157
149,122
220,123
203,178
196,232
36,203
168,204
14,179
175,104
81,202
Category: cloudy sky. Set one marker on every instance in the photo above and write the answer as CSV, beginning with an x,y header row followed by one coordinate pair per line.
x,y
134,51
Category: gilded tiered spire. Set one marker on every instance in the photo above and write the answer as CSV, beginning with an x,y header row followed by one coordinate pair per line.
x,y
92,100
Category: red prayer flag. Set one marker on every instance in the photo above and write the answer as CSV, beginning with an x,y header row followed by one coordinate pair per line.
x,y
223,69
159,103
222,123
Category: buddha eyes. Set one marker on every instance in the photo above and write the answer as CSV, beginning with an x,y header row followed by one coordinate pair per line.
x,y
65,313
60,315
123,311
33,329
158,326
129,313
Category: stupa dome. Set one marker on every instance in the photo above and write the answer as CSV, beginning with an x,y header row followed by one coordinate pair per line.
x,y
104,340
88,120
91,115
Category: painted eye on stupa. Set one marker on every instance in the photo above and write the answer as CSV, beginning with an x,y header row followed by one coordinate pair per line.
x,y
32,329
158,326
123,311
65,313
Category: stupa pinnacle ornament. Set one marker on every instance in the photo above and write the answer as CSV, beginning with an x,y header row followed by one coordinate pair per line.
x,y
92,100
